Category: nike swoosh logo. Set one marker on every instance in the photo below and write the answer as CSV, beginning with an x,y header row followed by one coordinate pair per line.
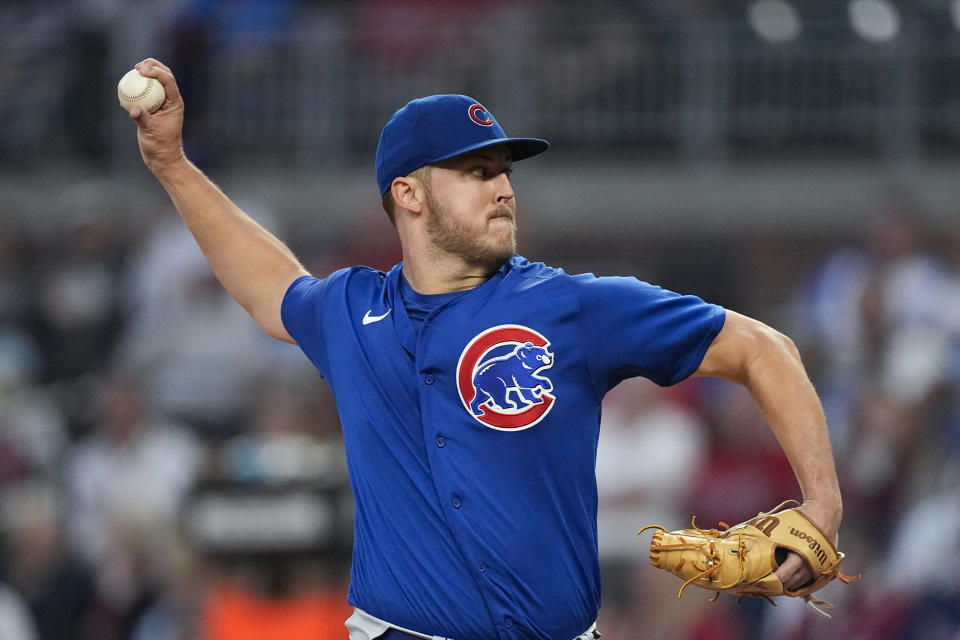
x,y
369,319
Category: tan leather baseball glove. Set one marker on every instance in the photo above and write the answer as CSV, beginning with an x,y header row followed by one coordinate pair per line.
x,y
741,559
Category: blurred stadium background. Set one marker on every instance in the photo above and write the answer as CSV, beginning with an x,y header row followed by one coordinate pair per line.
x,y
168,473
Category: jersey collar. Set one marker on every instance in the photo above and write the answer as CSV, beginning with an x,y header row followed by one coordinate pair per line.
x,y
401,322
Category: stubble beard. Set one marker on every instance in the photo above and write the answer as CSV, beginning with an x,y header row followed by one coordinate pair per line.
x,y
453,237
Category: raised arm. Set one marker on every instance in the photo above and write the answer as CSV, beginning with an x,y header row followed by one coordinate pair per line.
x,y
252,265
768,364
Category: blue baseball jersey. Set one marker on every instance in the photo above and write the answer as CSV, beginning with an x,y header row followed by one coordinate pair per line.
x,y
471,436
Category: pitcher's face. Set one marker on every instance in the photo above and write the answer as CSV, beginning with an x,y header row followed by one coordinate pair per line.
x,y
471,209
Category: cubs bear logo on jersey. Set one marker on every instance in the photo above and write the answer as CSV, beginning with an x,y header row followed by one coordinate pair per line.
x,y
500,379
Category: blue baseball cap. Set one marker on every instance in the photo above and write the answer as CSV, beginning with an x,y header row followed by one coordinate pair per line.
x,y
435,128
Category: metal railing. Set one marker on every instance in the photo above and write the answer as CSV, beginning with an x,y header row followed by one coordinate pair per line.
x,y
316,97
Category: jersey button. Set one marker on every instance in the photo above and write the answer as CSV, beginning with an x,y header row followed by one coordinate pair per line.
x,y
440,442
428,378
482,567
508,622
456,502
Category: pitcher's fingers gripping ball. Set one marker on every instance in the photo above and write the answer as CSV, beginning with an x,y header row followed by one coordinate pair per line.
x,y
741,559
135,90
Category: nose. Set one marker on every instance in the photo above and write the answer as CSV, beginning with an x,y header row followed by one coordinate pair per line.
x,y
504,189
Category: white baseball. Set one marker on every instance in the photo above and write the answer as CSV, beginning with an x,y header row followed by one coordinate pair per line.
x,y
135,90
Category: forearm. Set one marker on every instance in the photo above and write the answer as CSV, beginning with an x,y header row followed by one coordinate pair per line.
x,y
779,385
252,265
768,364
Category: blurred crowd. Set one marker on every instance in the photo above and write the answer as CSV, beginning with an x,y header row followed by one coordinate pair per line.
x,y
131,386
877,319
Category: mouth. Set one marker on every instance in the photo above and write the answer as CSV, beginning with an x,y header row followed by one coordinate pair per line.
x,y
502,213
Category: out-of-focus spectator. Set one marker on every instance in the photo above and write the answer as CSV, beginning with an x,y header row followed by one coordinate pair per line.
x,y
876,314
56,584
881,463
198,351
33,427
649,450
163,263
126,481
174,612
829,330
77,299
293,437
934,572
16,299
915,325
16,623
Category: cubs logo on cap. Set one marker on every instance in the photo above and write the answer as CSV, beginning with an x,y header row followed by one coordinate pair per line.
x,y
436,128
479,115
500,378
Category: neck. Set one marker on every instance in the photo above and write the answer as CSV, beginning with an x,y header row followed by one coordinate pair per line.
x,y
432,274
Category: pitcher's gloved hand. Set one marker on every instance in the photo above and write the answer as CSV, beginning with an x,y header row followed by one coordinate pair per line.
x,y
742,559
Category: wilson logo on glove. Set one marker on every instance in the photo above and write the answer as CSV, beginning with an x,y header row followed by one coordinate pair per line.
x,y
814,546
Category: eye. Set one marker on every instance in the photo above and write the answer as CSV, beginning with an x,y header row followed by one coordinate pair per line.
x,y
484,171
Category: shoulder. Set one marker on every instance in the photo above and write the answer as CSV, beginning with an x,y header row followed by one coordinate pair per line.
x,y
356,275
308,299
348,277
520,267
523,268
588,284
586,287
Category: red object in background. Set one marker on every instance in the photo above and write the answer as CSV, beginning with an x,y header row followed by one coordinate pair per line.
x,y
715,623
406,31
734,485
231,613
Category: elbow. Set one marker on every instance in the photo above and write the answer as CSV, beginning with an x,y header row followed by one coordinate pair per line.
x,y
747,349
771,347
271,325
783,344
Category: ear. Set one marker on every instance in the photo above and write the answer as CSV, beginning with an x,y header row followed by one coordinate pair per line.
x,y
407,192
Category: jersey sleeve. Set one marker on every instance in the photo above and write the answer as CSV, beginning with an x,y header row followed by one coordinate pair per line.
x,y
631,328
302,317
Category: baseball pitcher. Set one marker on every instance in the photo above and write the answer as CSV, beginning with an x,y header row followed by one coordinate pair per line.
x,y
469,380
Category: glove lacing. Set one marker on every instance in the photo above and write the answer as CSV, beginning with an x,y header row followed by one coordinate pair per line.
x,y
714,559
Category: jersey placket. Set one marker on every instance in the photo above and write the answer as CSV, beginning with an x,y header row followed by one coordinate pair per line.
x,y
441,446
